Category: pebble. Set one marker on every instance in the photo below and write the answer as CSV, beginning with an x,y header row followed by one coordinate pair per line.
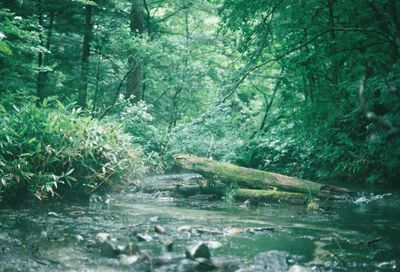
x,y
232,231
53,214
159,229
154,219
43,234
213,244
144,237
128,260
102,237
185,228
298,268
79,237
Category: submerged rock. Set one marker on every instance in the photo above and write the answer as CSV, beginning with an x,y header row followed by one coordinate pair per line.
x,y
271,261
109,249
229,263
187,265
199,250
169,245
199,264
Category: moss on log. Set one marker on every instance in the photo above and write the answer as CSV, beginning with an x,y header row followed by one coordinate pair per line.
x,y
270,196
253,178
238,194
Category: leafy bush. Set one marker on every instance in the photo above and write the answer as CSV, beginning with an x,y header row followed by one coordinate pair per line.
x,y
216,135
138,122
342,147
52,150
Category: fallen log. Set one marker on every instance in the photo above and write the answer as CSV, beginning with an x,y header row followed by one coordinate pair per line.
x,y
238,194
231,174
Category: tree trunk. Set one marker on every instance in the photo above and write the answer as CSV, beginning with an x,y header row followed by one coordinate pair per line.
x,y
82,100
42,73
252,178
395,26
332,47
134,81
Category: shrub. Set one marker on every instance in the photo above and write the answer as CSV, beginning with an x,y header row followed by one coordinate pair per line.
x,y
216,135
344,147
138,123
53,151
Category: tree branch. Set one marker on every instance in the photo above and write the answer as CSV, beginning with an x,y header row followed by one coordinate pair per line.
x,y
294,48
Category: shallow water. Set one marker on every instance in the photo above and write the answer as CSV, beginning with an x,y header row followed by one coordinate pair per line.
x,y
361,233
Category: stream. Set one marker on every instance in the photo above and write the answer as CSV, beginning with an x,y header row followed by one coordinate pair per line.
x,y
133,231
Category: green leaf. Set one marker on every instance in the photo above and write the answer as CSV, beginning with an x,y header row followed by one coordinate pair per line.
x,y
5,49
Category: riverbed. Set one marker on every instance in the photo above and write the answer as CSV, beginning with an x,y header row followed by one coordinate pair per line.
x,y
133,231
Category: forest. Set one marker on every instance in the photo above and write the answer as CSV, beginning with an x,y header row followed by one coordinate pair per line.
x,y
304,88
95,94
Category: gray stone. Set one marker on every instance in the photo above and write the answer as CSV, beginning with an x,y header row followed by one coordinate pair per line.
x,y
199,250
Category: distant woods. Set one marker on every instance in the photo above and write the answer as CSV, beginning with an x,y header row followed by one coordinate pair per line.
x,y
267,84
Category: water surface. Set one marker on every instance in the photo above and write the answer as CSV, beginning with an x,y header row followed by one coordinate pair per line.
x,y
360,233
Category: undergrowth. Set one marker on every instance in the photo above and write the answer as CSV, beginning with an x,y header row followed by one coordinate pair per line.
x,y
53,150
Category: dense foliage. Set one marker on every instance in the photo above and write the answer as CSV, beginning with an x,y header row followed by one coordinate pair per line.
x,y
52,150
306,88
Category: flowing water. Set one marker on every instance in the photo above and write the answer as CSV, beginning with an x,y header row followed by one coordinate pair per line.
x,y
361,233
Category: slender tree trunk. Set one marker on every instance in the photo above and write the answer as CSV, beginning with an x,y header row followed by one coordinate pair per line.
x,y
175,98
268,105
331,93
174,109
42,73
134,81
395,26
311,81
332,47
98,78
82,100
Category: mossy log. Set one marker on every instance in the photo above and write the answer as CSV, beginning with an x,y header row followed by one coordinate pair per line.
x,y
252,178
238,194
